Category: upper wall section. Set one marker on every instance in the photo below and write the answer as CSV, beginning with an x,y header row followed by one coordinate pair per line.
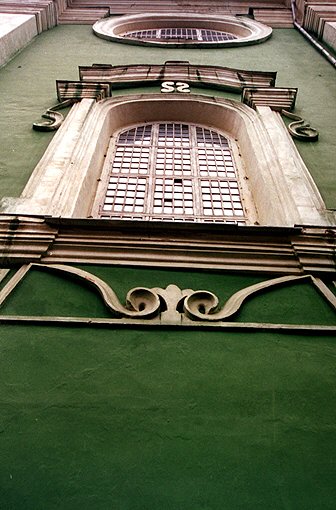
x,y
45,12
318,17
274,13
48,13
182,30
16,31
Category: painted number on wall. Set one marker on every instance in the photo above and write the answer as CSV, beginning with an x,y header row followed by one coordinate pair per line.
x,y
174,86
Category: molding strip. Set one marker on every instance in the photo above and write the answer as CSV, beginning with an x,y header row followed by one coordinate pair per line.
x,y
198,75
76,90
233,326
277,98
13,282
3,274
290,251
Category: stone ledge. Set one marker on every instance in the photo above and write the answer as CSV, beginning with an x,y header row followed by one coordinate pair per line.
x,y
16,31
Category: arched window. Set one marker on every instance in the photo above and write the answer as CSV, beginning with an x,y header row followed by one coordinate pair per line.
x,y
154,156
170,171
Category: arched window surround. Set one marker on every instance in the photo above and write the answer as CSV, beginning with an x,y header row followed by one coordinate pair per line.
x,y
65,181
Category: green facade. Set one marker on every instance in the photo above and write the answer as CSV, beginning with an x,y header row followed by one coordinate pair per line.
x,y
27,86
136,418
143,417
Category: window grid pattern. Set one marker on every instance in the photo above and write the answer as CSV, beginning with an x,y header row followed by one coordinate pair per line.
x,y
191,34
219,188
175,172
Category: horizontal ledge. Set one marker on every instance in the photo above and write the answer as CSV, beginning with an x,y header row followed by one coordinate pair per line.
x,y
185,323
152,225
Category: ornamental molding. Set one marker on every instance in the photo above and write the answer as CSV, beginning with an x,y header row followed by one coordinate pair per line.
x,y
172,70
300,128
77,90
214,247
66,186
281,100
53,116
165,307
245,30
276,98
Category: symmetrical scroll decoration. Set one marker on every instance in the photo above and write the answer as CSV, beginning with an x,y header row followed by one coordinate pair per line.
x,y
170,306
300,129
53,116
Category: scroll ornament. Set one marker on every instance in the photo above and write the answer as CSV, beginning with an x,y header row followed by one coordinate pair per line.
x,y
299,128
55,118
170,306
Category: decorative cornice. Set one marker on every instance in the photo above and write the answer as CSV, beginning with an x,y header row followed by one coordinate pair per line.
x,y
46,12
281,100
198,75
277,98
269,250
77,90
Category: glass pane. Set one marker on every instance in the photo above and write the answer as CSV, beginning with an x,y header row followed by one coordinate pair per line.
x,y
181,33
188,170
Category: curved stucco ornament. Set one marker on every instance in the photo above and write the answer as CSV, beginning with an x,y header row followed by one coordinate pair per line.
x,y
299,128
170,306
244,30
53,116
203,305
140,302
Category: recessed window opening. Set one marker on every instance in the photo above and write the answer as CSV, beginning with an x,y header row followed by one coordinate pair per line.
x,y
172,34
173,172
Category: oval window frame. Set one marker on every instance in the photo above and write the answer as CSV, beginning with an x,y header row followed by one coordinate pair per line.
x,y
246,30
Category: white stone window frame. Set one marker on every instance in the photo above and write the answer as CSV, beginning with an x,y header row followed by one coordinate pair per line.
x,y
65,181
245,30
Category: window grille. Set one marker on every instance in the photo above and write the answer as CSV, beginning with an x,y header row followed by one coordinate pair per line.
x,y
172,34
173,172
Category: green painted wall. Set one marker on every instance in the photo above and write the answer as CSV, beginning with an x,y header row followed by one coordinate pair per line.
x,y
132,419
165,419
137,420
27,88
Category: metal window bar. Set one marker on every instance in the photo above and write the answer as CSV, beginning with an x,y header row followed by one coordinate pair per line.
x,y
174,172
172,33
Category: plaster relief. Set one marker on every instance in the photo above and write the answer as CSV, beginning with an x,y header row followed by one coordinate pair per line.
x,y
169,306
